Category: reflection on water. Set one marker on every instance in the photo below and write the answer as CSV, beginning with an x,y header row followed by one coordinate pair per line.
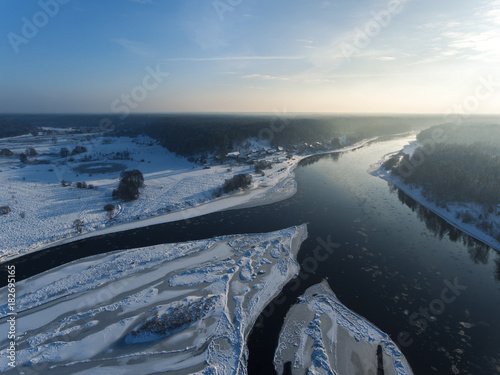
x,y
315,159
478,251
497,270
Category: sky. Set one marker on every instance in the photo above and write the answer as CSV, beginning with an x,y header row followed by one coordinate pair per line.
x,y
359,56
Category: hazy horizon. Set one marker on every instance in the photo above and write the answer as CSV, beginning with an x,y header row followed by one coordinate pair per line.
x,y
147,56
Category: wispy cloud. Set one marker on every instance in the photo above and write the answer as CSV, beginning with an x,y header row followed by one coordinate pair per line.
x,y
474,38
235,58
492,12
385,58
303,78
134,47
265,77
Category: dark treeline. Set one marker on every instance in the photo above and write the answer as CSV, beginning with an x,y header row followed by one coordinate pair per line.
x,y
487,136
12,129
58,120
217,134
461,163
189,134
458,172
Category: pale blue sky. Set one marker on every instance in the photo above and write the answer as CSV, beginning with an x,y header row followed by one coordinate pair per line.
x,y
254,56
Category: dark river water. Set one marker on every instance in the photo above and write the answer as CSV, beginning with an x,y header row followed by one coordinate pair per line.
x,y
434,290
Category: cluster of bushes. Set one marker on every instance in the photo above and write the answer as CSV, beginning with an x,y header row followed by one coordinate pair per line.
x,y
78,150
392,163
261,165
177,317
481,222
110,210
124,155
78,225
128,188
79,184
4,210
64,152
83,185
239,181
30,152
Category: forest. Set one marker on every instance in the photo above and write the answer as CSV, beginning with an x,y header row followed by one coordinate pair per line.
x,y
12,128
218,134
487,136
187,135
464,165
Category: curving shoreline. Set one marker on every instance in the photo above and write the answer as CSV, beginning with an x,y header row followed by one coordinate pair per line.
x,y
416,194
277,189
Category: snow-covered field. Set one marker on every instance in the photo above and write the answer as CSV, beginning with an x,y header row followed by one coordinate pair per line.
x,y
322,336
186,308
448,213
43,211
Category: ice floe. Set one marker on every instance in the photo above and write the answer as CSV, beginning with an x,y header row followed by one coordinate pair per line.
x,y
322,336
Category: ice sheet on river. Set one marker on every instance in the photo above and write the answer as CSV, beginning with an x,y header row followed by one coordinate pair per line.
x,y
186,308
322,336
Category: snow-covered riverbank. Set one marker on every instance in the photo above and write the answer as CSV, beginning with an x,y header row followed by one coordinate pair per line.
x,y
185,307
43,211
449,212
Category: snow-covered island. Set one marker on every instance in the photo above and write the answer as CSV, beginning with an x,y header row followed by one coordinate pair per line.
x,y
466,216
186,308
322,336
